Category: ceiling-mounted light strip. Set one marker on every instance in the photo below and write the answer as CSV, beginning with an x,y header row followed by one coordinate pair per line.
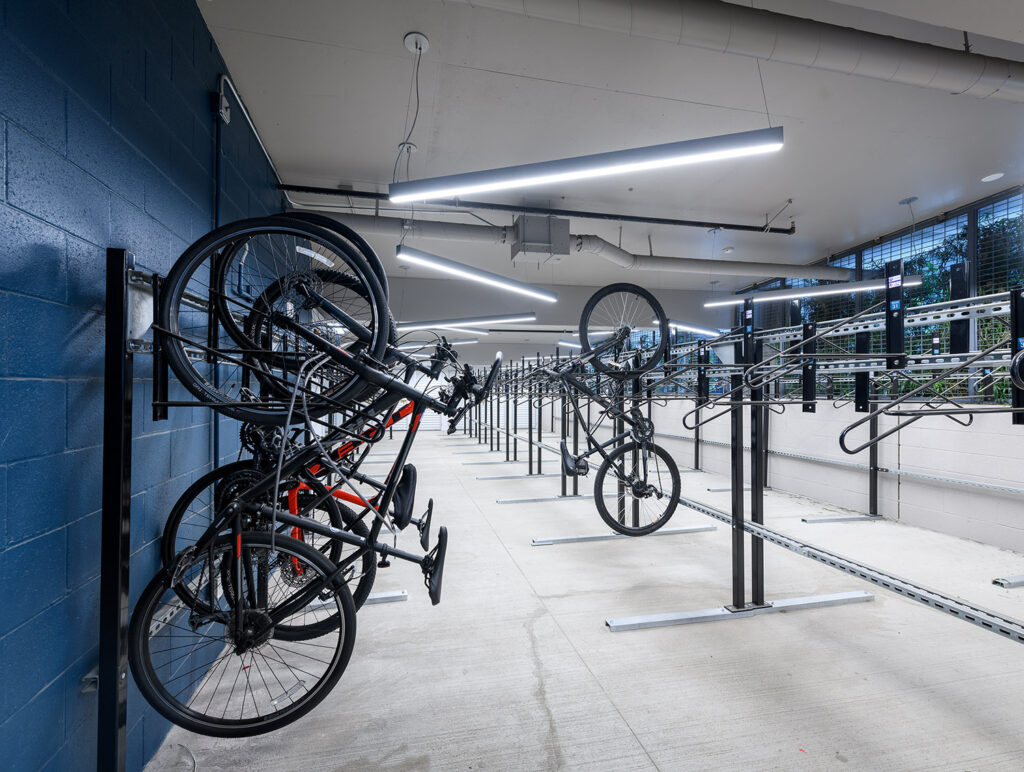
x,y
569,343
637,159
444,265
845,288
468,330
693,328
473,321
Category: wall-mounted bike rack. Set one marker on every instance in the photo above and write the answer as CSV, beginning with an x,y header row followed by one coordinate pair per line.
x,y
132,302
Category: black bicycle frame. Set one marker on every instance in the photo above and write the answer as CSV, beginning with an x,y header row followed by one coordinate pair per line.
x,y
609,409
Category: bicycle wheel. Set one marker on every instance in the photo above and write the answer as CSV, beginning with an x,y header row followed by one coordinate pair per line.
x,y
358,242
211,675
636,488
213,288
195,509
624,307
275,354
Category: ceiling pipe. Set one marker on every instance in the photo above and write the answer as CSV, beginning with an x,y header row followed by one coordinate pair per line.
x,y
776,37
459,203
598,246
396,228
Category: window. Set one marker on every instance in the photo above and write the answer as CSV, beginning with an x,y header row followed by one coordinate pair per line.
x,y
1000,258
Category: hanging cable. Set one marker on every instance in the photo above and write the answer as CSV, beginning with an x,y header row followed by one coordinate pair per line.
x,y
414,90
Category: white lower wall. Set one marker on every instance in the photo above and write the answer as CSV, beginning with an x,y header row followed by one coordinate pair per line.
x,y
989,451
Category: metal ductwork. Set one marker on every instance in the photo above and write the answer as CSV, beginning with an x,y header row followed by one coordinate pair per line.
x,y
396,227
598,246
776,37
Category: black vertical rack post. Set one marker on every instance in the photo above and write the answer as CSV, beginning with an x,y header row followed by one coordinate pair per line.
x,y
959,288
115,550
752,350
894,340
703,396
736,448
508,418
1016,346
809,373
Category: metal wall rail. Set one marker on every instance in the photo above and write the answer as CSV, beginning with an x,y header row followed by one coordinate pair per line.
x,y
851,366
992,621
918,316
864,467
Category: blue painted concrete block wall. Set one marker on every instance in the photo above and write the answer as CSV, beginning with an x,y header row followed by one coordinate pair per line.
x,y
106,139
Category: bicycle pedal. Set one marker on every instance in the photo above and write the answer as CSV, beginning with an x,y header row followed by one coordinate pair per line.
x,y
568,462
571,465
433,566
423,525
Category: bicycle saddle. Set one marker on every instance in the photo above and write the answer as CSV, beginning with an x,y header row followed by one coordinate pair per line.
x,y
405,497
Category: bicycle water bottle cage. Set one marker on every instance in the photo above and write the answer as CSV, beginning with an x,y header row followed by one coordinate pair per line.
x,y
405,497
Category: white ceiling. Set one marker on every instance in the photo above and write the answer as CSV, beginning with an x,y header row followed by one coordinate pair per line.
x,y
327,83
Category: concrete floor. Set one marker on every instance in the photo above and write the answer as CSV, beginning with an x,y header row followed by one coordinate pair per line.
x,y
515,669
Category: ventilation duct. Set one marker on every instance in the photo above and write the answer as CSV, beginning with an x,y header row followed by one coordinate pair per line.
x,y
775,37
396,228
598,246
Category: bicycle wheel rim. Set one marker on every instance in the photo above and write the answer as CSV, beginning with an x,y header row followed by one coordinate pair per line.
x,y
614,308
199,317
617,503
195,510
196,679
358,242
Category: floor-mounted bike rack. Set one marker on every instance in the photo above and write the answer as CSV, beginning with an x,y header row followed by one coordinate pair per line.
x,y
891,321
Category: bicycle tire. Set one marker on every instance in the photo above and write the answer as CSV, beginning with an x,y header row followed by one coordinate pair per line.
x,y
187,515
225,383
151,665
653,520
646,311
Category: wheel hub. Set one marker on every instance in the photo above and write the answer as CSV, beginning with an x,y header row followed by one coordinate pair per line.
x,y
256,629
639,488
295,286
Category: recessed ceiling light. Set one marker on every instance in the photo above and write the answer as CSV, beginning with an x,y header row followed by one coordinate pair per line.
x,y
728,250
993,177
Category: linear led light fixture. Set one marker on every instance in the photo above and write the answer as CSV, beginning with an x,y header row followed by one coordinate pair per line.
x,y
444,265
473,321
468,330
427,344
639,159
693,328
844,288
569,343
